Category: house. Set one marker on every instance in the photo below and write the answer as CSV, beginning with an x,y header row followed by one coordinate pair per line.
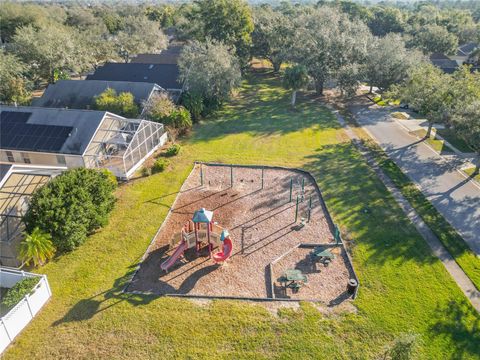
x,y
164,75
78,94
443,62
167,56
464,52
17,184
77,138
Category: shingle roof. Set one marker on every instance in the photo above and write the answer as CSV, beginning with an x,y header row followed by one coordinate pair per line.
x,y
164,75
167,56
39,129
466,49
439,56
78,94
448,66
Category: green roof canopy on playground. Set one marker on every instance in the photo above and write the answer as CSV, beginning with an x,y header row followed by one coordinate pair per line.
x,y
202,216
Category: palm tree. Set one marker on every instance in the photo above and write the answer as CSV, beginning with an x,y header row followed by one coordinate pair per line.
x,y
37,247
295,78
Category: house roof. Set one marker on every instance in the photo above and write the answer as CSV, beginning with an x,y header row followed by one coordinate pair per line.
x,y
448,66
439,56
164,75
78,94
466,49
61,131
167,56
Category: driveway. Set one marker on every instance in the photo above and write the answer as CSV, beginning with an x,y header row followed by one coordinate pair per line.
x,y
454,196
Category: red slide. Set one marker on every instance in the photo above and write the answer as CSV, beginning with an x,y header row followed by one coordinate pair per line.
x,y
225,253
167,264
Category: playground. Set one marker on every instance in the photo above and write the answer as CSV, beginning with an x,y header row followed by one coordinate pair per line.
x,y
247,232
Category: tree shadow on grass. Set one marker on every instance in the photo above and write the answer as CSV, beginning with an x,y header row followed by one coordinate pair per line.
x,y
353,191
262,108
460,323
87,308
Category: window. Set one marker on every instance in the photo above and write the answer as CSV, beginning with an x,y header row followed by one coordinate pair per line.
x,y
10,156
26,158
61,160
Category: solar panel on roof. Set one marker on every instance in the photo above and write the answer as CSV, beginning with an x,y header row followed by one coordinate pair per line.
x,y
17,116
17,134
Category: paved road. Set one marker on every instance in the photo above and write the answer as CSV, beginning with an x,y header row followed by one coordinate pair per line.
x,y
454,196
462,280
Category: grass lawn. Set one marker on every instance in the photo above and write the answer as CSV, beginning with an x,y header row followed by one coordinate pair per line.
x,y
450,136
403,287
437,144
470,171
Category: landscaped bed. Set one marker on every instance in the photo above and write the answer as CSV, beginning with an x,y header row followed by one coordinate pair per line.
x,y
262,225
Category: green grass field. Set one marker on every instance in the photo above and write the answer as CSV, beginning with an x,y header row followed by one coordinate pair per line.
x,y
404,289
450,136
437,144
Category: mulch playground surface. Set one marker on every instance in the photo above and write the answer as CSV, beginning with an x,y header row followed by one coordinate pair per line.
x,y
264,220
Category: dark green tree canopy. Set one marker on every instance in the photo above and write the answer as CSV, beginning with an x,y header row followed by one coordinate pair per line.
x,y
71,206
227,21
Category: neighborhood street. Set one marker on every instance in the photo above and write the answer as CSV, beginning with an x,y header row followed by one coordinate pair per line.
x,y
454,196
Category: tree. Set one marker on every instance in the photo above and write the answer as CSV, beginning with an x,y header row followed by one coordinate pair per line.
x,y
434,38
122,104
71,206
15,15
295,78
36,247
137,34
160,108
427,91
13,85
82,18
210,70
327,40
385,20
271,36
98,45
48,49
466,122
388,62
193,102
227,21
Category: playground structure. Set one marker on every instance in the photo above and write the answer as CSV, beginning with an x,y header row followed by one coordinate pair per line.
x,y
192,236
268,212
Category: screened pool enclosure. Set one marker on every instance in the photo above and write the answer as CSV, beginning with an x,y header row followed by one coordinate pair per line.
x,y
122,145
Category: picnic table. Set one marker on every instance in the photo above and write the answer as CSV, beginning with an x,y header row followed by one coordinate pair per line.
x,y
293,278
322,254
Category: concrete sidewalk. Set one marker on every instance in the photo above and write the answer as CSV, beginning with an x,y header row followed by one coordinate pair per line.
x,y
456,197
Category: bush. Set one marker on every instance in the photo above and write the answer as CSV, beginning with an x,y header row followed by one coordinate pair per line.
x,y
71,206
146,171
193,102
159,108
159,166
18,291
37,247
173,150
180,119
122,104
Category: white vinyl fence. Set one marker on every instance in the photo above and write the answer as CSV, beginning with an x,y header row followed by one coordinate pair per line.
x,y
18,317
